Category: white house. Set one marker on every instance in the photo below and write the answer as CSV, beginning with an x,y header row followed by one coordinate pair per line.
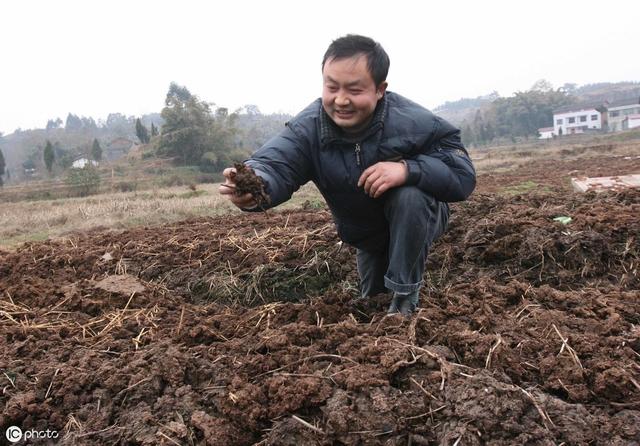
x,y
546,133
631,122
619,110
579,118
80,163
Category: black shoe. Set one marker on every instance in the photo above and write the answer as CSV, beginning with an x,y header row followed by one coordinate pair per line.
x,y
407,307
405,304
393,307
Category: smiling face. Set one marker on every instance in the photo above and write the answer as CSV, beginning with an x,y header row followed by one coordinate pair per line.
x,y
349,93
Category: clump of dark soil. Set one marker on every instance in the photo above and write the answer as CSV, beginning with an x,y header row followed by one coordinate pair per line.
x,y
245,331
247,182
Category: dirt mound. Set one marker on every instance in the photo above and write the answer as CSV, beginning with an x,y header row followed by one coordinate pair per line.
x,y
245,330
520,238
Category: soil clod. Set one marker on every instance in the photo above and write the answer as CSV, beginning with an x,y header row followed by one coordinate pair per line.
x,y
247,182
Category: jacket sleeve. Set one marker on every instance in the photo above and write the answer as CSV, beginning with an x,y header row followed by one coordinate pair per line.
x,y
444,168
283,163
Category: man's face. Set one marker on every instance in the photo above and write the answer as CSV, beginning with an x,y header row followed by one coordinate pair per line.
x,y
349,93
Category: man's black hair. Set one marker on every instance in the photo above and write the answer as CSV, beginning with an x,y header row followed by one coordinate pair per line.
x,y
352,45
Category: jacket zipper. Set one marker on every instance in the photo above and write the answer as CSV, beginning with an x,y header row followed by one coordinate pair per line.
x,y
357,153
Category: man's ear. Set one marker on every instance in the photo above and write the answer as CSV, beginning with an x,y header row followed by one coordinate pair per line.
x,y
380,89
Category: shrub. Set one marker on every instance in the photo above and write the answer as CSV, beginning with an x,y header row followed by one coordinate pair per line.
x,y
126,186
84,181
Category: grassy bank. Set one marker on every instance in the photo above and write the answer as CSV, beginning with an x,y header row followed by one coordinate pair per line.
x,y
38,220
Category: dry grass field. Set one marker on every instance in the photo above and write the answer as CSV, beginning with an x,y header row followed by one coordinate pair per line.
x,y
42,219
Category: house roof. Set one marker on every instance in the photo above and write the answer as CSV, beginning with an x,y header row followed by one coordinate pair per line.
x,y
546,129
599,106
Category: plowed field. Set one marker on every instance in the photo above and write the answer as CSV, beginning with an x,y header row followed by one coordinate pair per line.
x,y
245,329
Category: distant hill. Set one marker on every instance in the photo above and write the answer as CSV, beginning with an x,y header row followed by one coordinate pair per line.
x,y
464,109
75,137
608,91
458,111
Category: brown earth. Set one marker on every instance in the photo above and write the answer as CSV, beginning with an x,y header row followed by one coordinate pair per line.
x,y
247,182
244,330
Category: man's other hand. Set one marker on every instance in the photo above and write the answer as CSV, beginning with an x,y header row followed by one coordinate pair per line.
x,y
228,190
383,176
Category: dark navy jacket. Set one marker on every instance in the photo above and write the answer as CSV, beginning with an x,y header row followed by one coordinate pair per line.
x,y
313,148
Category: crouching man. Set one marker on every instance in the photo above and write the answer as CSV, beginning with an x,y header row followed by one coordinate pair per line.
x,y
386,166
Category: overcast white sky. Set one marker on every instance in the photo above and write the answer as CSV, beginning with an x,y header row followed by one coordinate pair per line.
x,y
92,58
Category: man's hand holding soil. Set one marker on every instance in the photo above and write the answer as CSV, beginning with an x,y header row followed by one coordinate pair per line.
x,y
228,190
244,188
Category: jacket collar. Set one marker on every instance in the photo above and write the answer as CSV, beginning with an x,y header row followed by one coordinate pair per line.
x,y
330,133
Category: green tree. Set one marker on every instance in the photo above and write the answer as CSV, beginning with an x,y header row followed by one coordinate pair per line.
x,y
84,181
542,85
119,124
48,156
96,150
54,124
88,123
479,128
187,130
252,110
142,132
223,142
194,135
466,132
520,115
569,88
73,122
154,130
2,166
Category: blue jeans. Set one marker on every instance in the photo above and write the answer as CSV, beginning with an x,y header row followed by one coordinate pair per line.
x,y
395,260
